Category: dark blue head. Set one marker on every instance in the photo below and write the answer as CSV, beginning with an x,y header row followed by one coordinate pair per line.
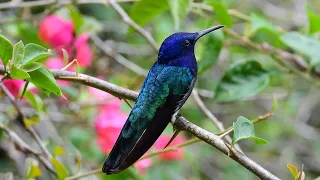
x,y
178,48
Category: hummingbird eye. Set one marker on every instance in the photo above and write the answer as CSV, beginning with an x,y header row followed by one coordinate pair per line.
x,y
186,43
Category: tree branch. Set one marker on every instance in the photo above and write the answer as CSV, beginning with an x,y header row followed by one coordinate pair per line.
x,y
28,4
181,123
134,25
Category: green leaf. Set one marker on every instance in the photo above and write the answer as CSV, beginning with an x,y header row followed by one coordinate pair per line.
x,y
5,50
16,73
243,129
314,21
34,100
43,78
76,17
61,170
31,121
293,170
31,66
241,80
18,53
34,52
32,168
58,150
222,13
143,11
259,22
212,47
303,44
179,10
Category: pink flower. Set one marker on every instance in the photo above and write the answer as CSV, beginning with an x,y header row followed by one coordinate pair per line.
x,y
143,165
98,94
56,63
13,86
109,121
56,31
112,103
171,155
83,51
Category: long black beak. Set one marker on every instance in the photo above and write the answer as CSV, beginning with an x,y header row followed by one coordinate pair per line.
x,y
206,31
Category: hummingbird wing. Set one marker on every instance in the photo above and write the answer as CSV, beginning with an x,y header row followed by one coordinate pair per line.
x,y
163,93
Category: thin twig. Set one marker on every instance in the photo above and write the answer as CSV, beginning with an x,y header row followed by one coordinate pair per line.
x,y
120,59
134,25
279,55
180,123
78,176
24,147
20,118
26,4
211,116
174,148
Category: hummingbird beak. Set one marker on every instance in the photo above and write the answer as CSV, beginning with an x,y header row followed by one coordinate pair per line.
x,y
206,31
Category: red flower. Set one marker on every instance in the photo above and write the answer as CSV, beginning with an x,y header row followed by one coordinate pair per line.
x,y
83,51
143,165
59,33
56,31
171,155
109,121
13,86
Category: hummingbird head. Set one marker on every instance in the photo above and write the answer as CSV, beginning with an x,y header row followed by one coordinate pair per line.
x,y
178,48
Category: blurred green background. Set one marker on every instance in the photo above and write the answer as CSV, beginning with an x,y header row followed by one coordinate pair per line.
x,y
293,133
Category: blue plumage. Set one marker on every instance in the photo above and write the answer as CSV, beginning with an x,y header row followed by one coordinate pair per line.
x,y
166,88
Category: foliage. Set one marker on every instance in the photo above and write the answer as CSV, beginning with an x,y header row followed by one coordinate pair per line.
x,y
261,62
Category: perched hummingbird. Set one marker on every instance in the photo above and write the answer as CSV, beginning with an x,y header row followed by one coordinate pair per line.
x,y
167,87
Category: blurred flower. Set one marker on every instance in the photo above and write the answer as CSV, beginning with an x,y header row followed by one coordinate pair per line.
x,y
109,121
171,155
142,165
13,86
59,33
83,51
56,31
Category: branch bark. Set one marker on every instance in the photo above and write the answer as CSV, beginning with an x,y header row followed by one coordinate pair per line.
x,y
181,123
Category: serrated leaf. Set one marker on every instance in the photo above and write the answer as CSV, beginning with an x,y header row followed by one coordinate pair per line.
x,y
61,170
31,121
143,11
314,21
274,103
222,13
241,80
293,170
18,53
43,78
58,150
179,9
34,100
5,50
259,22
243,129
303,44
32,168
212,47
16,73
31,66
34,52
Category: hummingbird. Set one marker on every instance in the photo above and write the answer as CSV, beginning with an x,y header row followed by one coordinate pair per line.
x,y
166,88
